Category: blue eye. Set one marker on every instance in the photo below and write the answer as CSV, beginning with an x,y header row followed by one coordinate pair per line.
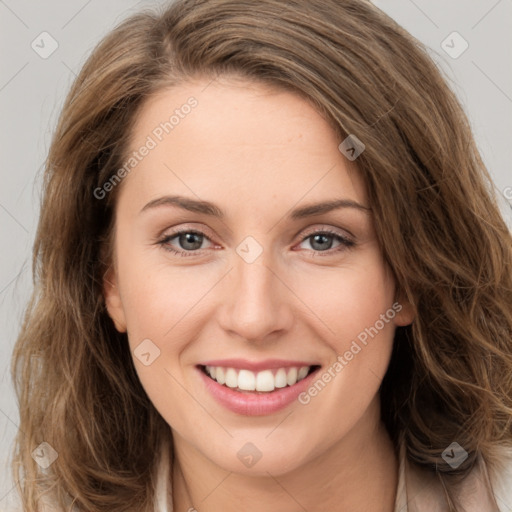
x,y
187,238
191,242
324,240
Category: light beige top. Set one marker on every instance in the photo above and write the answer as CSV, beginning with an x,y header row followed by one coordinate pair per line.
x,y
418,489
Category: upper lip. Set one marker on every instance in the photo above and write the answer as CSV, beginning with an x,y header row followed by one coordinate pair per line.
x,y
267,364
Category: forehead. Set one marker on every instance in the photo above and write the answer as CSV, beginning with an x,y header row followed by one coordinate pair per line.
x,y
208,138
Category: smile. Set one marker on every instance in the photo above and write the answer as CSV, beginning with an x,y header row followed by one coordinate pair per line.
x,y
256,389
263,381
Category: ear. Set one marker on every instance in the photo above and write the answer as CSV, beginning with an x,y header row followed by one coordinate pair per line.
x,y
113,299
405,312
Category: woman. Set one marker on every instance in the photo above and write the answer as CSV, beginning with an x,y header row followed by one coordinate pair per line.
x,y
258,368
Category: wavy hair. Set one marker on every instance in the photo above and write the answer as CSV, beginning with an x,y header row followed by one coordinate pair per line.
x,y
434,207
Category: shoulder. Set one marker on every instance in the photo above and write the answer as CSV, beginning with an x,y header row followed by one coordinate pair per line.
x,y
501,480
423,492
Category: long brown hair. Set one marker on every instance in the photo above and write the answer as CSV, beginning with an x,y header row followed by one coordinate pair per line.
x,y
435,213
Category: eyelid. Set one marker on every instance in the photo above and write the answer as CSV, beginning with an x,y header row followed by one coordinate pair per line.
x,y
344,233
180,228
346,241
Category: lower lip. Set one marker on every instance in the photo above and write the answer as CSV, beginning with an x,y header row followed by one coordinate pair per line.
x,y
255,404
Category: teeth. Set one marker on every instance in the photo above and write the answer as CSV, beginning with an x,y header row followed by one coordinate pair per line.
x,y
291,376
231,378
218,374
302,372
280,378
246,380
264,381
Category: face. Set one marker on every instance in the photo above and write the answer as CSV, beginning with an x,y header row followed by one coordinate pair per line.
x,y
289,308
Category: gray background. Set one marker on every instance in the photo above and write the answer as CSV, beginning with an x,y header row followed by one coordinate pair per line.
x,y
32,90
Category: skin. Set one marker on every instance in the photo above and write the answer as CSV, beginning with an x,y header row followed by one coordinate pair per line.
x,y
257,153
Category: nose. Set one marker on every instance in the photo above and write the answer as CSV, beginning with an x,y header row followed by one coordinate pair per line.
x,y
256,301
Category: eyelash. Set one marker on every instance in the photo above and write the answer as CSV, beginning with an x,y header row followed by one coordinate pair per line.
x,y
345,242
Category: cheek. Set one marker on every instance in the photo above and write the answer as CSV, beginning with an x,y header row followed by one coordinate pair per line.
x,y
354,313
347,300
355,306
159,303
158,297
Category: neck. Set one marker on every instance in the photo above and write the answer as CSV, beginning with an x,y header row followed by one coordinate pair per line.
x,y
359,473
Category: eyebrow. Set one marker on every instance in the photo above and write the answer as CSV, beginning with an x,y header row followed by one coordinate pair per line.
x,y
207,208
